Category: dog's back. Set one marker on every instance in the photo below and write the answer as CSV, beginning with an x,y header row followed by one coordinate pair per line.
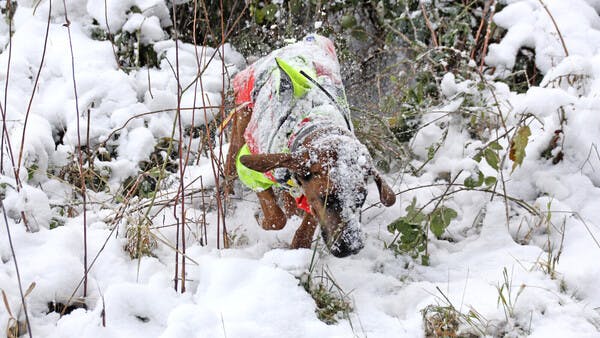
x,y
281,101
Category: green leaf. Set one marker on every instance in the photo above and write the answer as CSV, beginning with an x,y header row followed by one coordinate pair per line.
x,y
491,158
5,185
471,183
403,227
259,16
295,6
517,146
348,21
430,152
135,9
410,229
413,214
440,218
31,171
495,146
490,180
359,34
270,10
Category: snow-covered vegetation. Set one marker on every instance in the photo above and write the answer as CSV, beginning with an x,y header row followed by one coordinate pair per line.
x,y
483,114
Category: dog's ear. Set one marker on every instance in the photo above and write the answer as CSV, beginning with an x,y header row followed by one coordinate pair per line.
x,y
266,162
386,194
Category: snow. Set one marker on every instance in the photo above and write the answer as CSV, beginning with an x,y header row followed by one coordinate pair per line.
x,y
529,25
137,145
254,289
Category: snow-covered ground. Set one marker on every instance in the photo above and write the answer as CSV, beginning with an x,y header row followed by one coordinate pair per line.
x,y
254,288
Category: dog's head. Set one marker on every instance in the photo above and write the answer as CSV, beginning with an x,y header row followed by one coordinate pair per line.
x,y
333,173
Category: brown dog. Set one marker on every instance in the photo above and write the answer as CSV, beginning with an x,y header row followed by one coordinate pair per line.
x,y
294,133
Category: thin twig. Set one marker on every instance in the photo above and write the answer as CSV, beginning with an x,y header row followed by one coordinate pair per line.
x,y
33,90
4,113
429,26
222,111
203,241
79,153
215,164
116,130
562,41
463,188
488,32
181,191
110,36
5,134
481,23
12,251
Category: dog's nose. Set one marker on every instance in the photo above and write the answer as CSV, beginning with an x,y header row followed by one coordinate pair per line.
x,y
343,249
349,243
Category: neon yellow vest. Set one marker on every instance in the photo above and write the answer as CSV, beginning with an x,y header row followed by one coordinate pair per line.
x,y
256,180
253,179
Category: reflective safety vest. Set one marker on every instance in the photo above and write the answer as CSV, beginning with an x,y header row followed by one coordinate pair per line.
x,y
281,89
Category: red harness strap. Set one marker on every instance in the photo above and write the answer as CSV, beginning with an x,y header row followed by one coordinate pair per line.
x,y
302,203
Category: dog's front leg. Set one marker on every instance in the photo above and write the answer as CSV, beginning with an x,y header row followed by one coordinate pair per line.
x,y
274,218
238,126
290,207
305,232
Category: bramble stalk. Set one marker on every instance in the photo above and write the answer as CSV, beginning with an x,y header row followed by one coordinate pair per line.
x,y
181,192
12,251
33,90
11,155
79,153
562,40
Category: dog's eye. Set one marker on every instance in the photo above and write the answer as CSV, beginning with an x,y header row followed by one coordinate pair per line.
x,y
331,202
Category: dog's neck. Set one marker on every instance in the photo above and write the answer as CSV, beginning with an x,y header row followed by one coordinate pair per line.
x,y
313,130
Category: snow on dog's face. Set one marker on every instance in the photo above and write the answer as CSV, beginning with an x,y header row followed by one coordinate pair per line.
x,y
335,184
332,170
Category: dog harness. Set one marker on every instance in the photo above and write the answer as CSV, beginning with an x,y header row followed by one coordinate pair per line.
x,y
287,92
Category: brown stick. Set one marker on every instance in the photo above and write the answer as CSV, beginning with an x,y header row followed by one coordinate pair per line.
x,y
556,27
487,37
181,164
79,154
480,28
14,256
428,23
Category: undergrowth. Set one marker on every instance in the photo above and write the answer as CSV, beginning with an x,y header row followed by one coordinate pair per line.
x,y
332,303
443,319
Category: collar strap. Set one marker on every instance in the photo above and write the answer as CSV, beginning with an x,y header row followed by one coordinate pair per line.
x,y
301,135
313,128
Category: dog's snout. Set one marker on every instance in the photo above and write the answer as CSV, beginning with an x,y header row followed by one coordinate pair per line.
x,y
350,242
344,249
